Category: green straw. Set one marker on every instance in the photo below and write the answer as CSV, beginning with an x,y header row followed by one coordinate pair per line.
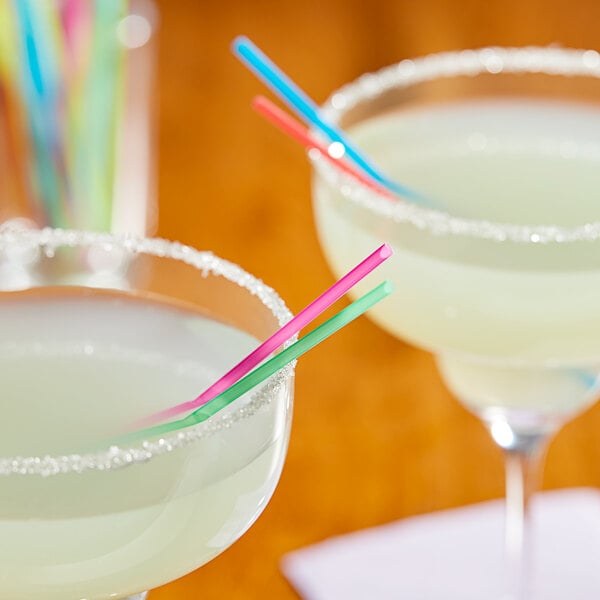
x,y
94,144
267,369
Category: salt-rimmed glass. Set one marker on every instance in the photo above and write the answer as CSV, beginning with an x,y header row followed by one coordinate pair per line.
x,y
503,294
104,521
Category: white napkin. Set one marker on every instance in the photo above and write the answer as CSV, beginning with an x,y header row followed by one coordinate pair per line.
x,y
457,555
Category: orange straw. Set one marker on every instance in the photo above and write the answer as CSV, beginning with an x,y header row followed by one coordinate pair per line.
x,y
301,134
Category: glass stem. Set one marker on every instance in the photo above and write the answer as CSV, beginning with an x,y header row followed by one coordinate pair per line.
x,y
523,471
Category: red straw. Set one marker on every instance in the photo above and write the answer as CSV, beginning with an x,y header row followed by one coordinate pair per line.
x,y
301,134
291,328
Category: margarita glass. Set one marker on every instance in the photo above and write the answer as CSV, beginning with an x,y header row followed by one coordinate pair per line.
x,y
97,332
497,267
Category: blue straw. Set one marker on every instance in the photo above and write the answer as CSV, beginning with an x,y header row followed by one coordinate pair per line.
x,y
306,108
40,91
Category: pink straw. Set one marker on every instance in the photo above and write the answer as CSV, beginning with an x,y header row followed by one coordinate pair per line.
x,y
292,327
76,25
301,134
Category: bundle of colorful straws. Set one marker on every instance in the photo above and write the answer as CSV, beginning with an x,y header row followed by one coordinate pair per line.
x,y
61,101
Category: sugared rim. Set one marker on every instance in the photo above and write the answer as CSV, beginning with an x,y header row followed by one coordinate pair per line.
x,y
551,61
116,457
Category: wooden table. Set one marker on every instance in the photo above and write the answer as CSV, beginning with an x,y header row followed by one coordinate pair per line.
x,y
386,440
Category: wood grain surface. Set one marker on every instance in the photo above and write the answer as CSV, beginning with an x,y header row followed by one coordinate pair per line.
x,y
376,436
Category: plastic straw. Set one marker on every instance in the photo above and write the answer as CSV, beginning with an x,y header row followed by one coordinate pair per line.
x,y
94,145
270,367
72,18
39,89
306,108
291,328
301,134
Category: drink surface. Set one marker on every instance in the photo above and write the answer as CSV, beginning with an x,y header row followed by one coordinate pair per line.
x,y
504,160
75,370
513,324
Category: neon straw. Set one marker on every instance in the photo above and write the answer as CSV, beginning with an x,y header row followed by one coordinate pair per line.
x,y
34,58
93,168
39,90
301,134
50,41
306,108
72,17
291,328
78,19
273,365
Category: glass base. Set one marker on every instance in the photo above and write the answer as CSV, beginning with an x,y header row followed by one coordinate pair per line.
x,y
142,596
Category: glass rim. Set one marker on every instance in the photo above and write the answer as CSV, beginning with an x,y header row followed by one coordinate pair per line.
x,y
489,60
115,457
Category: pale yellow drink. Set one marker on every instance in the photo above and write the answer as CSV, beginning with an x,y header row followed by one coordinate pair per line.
x,y
509,308
76,369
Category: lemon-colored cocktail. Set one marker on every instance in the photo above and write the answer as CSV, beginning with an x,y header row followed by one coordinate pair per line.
x,y
79,365
496,264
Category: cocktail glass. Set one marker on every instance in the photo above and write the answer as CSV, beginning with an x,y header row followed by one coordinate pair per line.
x,y
98,331
497,266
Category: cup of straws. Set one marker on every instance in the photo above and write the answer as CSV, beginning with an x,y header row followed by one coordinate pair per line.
x,y
76,79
